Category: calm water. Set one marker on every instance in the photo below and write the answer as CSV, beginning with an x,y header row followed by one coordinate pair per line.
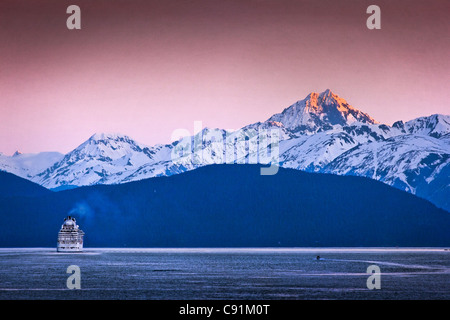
x,y
225,274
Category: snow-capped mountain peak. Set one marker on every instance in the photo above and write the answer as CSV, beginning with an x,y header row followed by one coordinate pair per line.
x,y
106,147
108,136
100,158
436,125
320,112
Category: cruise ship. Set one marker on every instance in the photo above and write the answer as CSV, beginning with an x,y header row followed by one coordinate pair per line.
x,y
70,237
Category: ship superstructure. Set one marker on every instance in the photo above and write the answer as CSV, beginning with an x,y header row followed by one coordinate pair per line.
x,y
70,237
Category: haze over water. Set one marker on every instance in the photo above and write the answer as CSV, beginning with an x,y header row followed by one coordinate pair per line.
x,y
285,273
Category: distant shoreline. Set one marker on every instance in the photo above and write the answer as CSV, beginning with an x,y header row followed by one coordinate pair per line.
x,y
240,249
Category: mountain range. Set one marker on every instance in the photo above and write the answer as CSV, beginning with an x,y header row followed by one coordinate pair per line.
x,y
321,133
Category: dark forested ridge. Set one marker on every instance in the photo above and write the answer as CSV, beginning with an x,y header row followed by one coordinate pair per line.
x,y
12,185
228,206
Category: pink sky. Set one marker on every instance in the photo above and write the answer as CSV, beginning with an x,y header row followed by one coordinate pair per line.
x,y
146,68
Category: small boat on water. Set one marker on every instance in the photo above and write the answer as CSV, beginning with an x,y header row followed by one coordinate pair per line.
x,y
70,237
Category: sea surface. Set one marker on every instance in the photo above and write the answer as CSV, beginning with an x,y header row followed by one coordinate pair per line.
x,y
167,274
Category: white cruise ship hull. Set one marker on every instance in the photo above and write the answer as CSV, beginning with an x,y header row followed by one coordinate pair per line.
x,y
75,247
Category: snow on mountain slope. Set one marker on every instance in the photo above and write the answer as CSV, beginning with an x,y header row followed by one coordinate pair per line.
x,y
319,112
28,165
445,138
312,153
436,125
404,162
209,146
103,158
